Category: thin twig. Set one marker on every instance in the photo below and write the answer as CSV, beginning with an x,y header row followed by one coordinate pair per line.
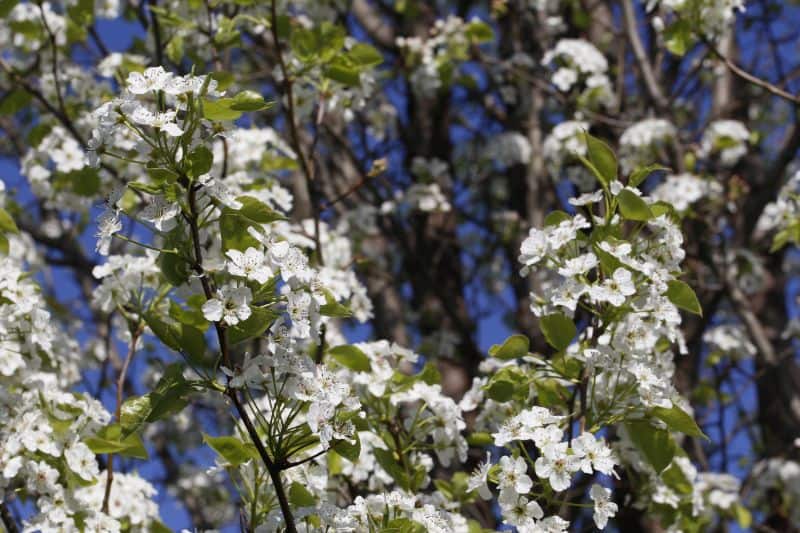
x,y
8,520
273,469
755,80
135,334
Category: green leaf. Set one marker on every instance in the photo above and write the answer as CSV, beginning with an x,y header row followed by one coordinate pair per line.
x,y
344,73
742,516
641,173
200,160
83,182
6,6
349,450
7,224
676,480
299,496
223,79
332,308
500,390
480,439
233,450
682,295
175,48
479,32
159,173
163,331
430,374
258,211
678,37
220,109
145,187
403,525
14,101
554,218
227,34
233,230
655,444
386,458
157,526
351,357
182,338
678,420
632,207
514,347
317,45
167,398
558,329
248,101
174,268
257,323
602,159
4,244
193,316
109,440
365,55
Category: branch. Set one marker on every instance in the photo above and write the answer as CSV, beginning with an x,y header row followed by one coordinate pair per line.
x,y
750,78
135,334
650,82
308,171
8,521
208,290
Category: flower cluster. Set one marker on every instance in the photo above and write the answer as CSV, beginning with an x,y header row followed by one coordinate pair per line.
x,y
641,143
579,66
45,450
725,139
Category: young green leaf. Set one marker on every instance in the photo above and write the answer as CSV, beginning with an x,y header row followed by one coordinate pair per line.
x,y
682,295
233,450
348,450
558,329
656,444
678,420
514,347
602,158
351,357
632,207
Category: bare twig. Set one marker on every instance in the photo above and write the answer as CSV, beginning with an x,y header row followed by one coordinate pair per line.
x,y
8,521
136,332
750,78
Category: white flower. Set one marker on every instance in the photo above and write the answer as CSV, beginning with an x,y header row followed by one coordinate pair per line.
x,y
551,524
161,121
593,453
152,79
81,460
231,305
578,265
108,224
556,466
534,248
478,479
564,78
604,508
161,213
518,511
615,289
249,264
513,475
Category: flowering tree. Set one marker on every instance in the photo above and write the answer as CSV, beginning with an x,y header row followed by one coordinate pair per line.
x,y
351,265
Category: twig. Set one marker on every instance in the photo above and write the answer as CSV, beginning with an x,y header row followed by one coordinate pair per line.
x,y
8,521
308,171
755,80
135,334
273,469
